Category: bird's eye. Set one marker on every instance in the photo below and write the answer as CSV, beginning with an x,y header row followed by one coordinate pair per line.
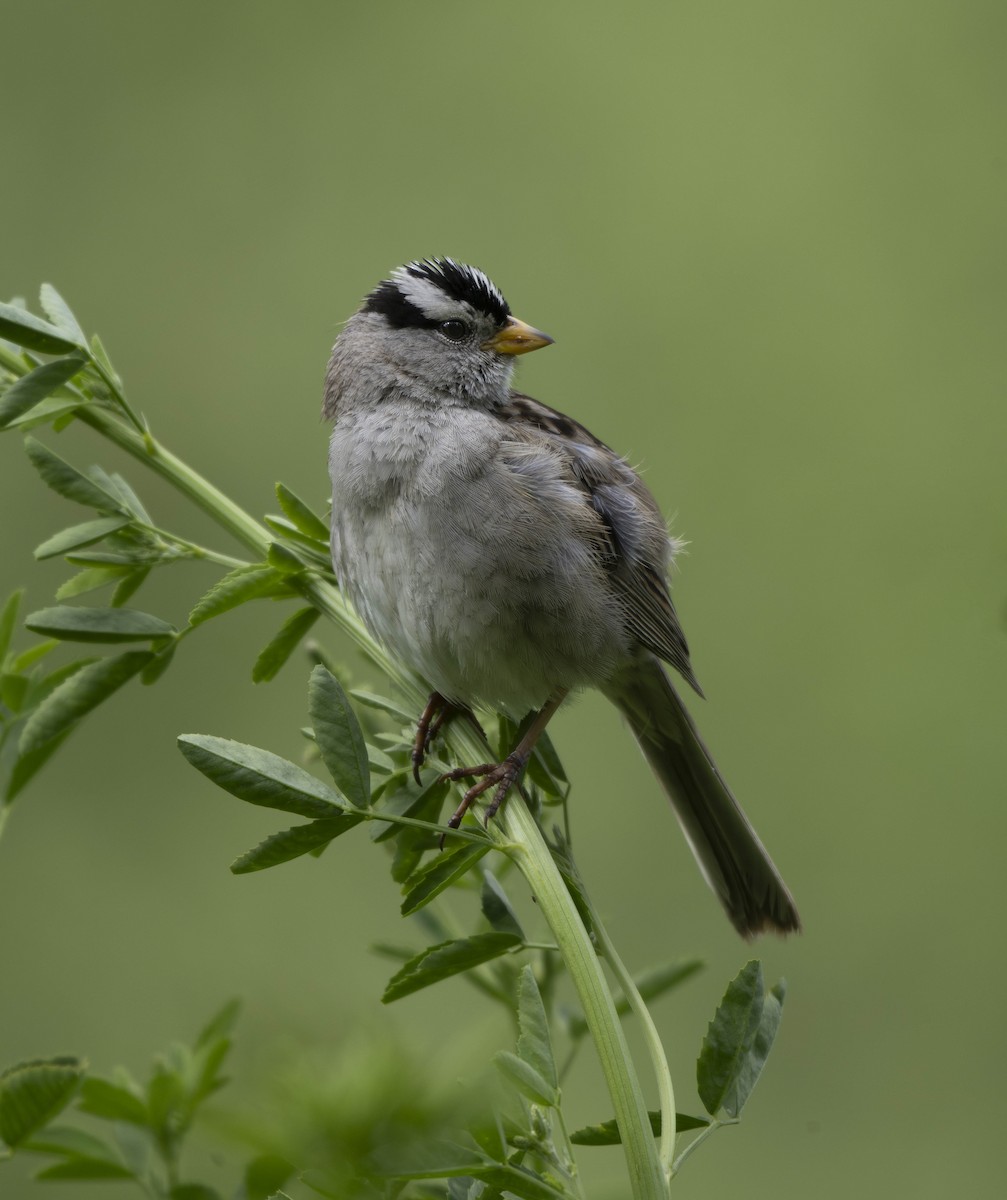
x,y
454,331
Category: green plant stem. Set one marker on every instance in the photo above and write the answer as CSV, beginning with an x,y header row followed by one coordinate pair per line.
x,y
714,1125
514,830
658,1056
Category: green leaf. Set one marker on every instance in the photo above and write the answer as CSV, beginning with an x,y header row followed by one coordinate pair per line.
x,y
130,579
98,624
429,882
383,704
26,765
79,535
292,843
12,691
738,1041
289,637
260,777
449,958
309,552
161,661
284,559
86,1168
496,907
526,1079
265,1174
607,1134
423,805
66,480
34,387
193,1191
534,1046
220,1025
32,1093
8,620
300,515
339,737
77,696
449,1160
64,1139
22,328
100,356
103,1099
58,311
238,587
90,580
28,658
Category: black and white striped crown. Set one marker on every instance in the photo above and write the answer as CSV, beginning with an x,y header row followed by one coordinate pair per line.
x,y
432,290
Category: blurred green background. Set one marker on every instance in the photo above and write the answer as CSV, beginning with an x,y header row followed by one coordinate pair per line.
x,y
769,241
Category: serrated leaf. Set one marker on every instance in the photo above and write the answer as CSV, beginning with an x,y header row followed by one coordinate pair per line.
x,y
534,1045
290,635
32,1093
260,777
40,687
429,882
77,696
607,1134
8,620
66,480
31,389
339,737
301,515
738,1042
292,843
23,328
69,623
90,580
526,1079
496,907
447,959
103,1099
59,312
237,587
79,535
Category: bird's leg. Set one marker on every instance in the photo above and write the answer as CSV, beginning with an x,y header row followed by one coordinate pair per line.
x,y
502,775
437,713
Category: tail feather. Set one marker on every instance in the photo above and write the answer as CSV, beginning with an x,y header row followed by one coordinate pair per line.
x,y
727,848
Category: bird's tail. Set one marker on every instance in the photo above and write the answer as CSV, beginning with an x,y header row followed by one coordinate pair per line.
x,y
727,848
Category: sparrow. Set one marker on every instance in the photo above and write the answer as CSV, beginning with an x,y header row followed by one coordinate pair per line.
x,y
510,558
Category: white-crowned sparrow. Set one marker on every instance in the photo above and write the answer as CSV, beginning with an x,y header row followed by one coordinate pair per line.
x,y
509,557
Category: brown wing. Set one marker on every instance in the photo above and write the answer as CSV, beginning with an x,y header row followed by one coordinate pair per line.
x,y
634,539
